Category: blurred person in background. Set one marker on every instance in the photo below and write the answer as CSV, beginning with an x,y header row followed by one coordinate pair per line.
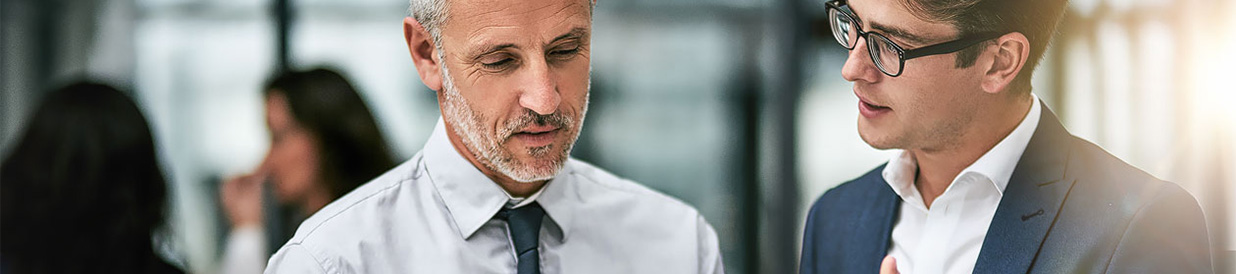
x,y
494,190
83,191
988,180
324,142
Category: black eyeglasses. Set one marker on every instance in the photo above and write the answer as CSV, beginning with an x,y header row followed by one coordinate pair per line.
x,y
888,56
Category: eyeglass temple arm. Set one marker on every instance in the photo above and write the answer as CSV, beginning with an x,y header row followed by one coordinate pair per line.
x,y
952,46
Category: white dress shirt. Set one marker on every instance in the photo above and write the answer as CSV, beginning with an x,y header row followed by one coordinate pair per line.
x,y
245,251
434,214
947,237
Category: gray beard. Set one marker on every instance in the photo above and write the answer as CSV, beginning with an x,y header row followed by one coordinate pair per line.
x,y
488,150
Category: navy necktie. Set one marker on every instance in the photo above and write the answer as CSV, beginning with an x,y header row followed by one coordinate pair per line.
x,y
525,227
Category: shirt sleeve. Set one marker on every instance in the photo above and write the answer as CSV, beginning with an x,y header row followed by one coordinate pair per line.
x,y
294,258
245,252
710,252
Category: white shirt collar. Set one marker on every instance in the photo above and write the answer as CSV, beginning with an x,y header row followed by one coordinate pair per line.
x,y
996,165
472,198
517,202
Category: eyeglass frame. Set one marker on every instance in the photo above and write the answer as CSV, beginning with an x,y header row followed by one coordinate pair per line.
x,y
902,53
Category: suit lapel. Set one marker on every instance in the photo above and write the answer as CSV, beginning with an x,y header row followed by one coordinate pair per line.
x,y
874,228
1031,202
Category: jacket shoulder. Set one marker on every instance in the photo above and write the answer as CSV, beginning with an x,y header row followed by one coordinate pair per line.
x,y
851,192
1120,217
847,228
1101,175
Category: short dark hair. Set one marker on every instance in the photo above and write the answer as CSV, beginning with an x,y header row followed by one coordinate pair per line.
x,y
352,148
83,190
1036,19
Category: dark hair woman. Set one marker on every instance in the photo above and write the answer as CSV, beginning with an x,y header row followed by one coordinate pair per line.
x,y
82,191
319,112
324,143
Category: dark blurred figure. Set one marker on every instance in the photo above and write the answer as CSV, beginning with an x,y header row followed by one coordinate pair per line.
x,y
324,143
82,191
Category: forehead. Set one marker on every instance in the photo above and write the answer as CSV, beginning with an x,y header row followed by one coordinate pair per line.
x,y
893,18
478,21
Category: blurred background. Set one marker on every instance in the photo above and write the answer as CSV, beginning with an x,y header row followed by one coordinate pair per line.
x,y
736,107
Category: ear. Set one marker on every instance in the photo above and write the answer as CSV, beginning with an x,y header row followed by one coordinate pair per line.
x,y
1012,50
420,45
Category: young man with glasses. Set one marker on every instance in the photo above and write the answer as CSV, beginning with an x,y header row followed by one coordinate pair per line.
x,y
988,180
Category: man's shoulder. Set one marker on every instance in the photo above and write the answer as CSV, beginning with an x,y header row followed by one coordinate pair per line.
x,y
1110,198
367,204
848,226
852,192
626,214
1117,211
856,202
1103,176
592,180
338,232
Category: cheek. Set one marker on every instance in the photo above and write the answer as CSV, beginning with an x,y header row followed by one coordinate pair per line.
x,y
932,99
296,163
924,103
306,159
491,101
573,81
930,66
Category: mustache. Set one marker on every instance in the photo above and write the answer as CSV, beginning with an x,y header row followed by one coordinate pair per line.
x,y
529,117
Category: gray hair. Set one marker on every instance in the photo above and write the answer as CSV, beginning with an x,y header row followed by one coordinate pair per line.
x,y
432,14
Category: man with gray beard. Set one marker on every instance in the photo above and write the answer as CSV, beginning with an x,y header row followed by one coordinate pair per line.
x,y
494,190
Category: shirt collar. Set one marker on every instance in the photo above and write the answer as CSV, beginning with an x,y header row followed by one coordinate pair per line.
x,y
996,164
900,173
471,198
518,202
561,197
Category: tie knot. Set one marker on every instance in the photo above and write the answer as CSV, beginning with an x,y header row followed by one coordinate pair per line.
x,y
532,211
525,227
525,222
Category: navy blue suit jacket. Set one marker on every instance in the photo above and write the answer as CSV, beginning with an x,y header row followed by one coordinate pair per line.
x,y
1070,207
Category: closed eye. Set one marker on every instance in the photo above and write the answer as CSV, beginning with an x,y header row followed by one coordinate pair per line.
x,y
564,52
498,64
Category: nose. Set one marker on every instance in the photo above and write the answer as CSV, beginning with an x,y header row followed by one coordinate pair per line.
x,y
539,89
267,162
858,66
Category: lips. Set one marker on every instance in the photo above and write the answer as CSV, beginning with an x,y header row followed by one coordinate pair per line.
x,y
874,106
868,108
536,136
537,129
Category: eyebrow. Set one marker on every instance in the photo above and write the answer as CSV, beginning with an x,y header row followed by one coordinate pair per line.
x,y
890,30
574,33
492,49
898,32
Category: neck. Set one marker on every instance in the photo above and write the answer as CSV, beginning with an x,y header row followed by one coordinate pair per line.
x,y
511,186
318,198
937,167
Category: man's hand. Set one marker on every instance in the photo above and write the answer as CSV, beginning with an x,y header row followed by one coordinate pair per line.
x,y
889,266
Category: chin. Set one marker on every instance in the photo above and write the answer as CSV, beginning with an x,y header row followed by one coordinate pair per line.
x,y
876,138
527,168
547,165
534,173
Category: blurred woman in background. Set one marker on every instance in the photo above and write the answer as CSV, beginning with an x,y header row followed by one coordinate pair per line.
x,y
83,191
324,142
